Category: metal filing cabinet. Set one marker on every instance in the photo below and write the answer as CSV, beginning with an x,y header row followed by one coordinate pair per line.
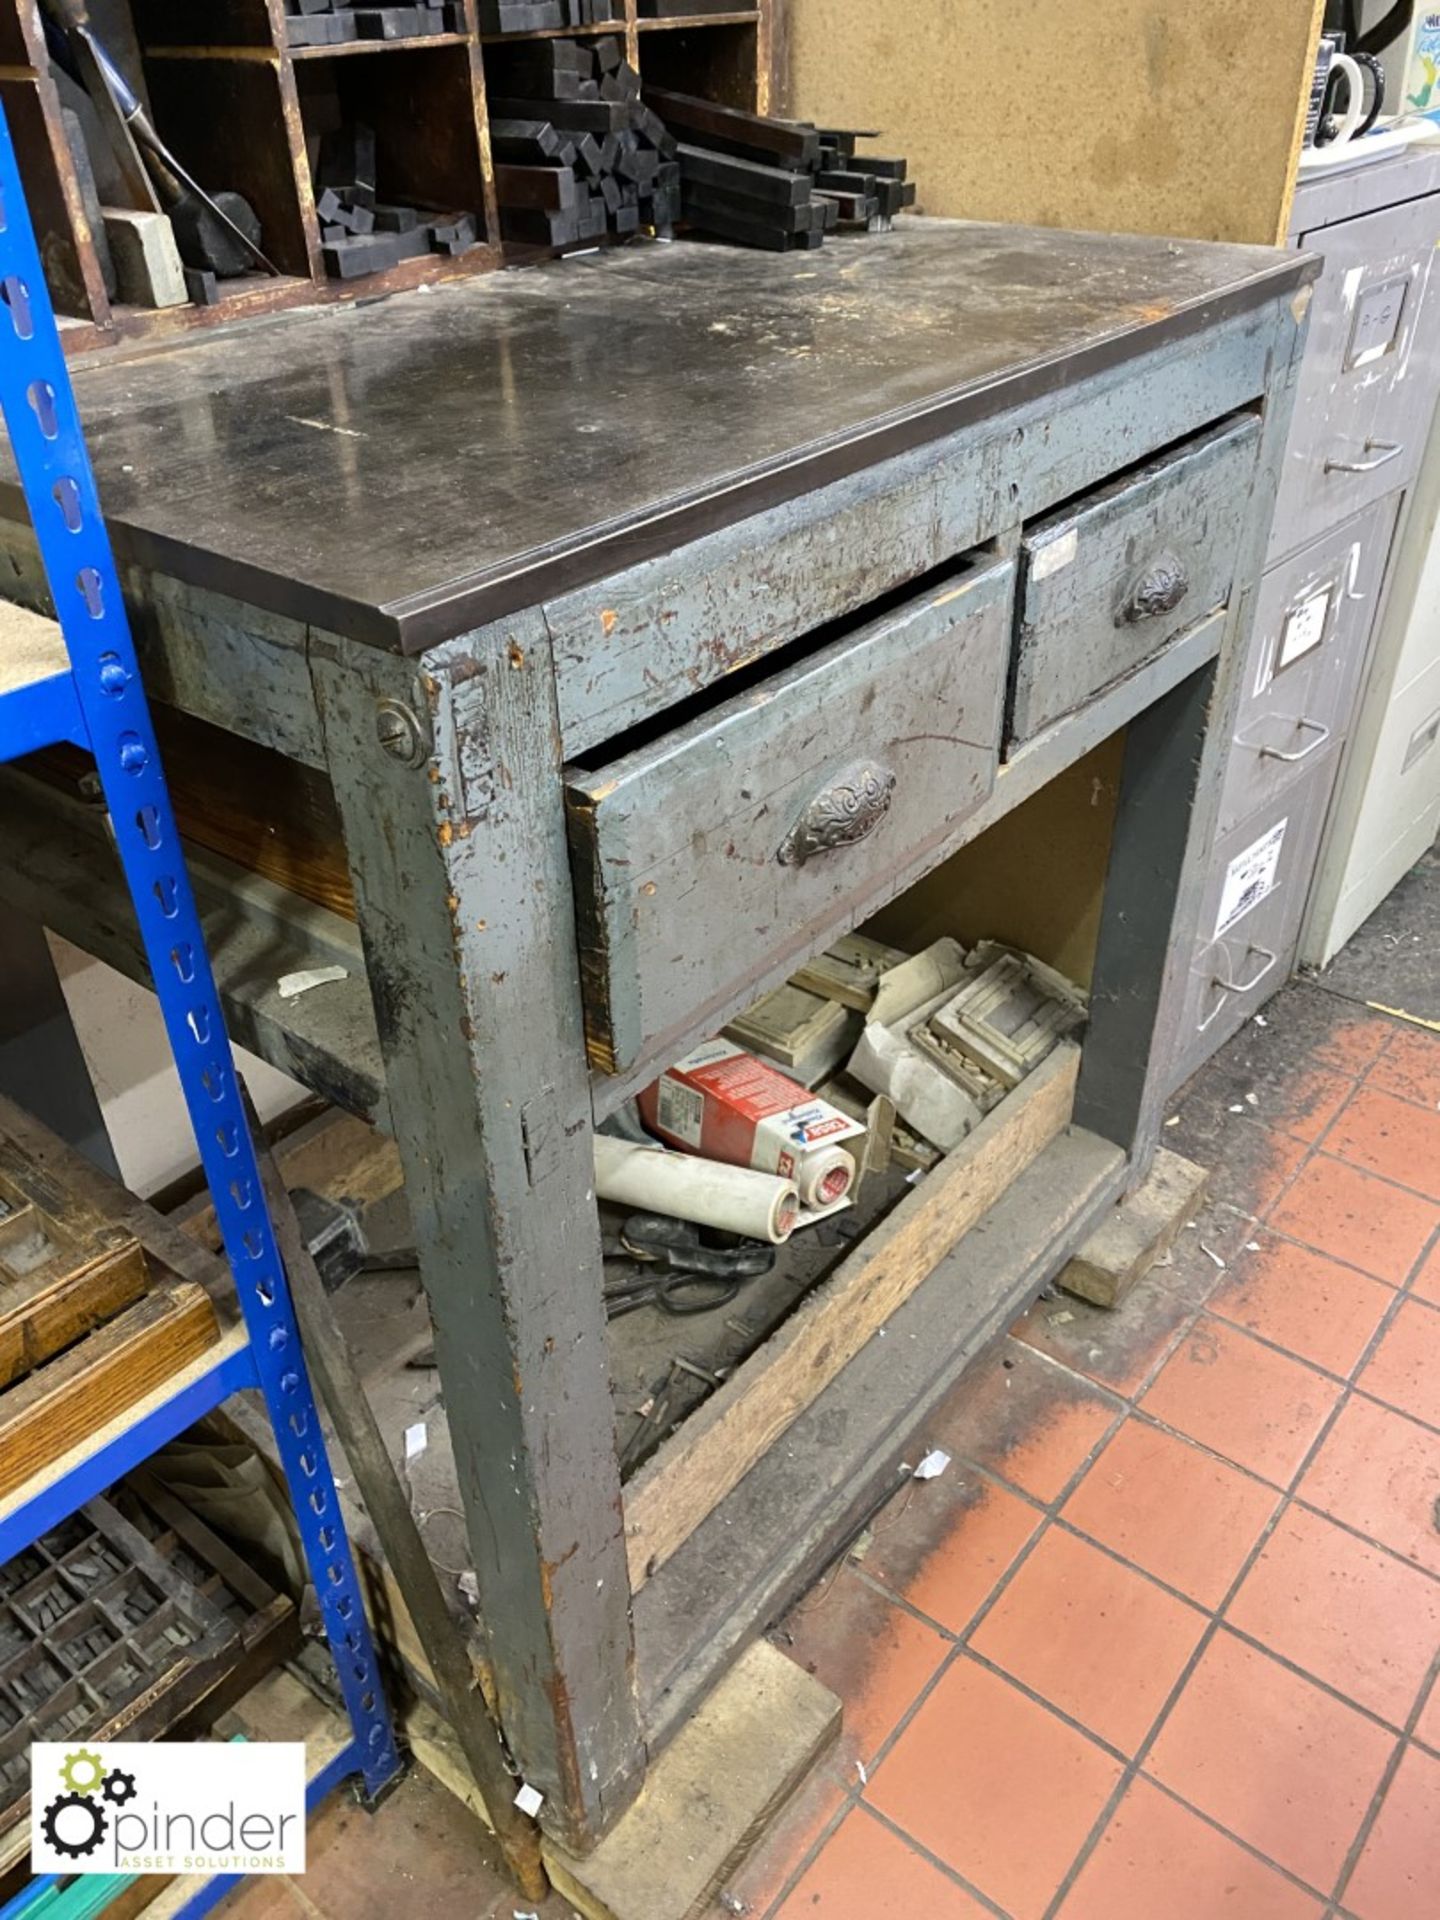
x,y
1386,810
1364,403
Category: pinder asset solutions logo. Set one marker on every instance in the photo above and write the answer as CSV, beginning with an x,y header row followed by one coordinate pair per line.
x,y
176,1807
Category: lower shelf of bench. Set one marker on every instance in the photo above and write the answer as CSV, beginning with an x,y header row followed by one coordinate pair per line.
x,y
766,1540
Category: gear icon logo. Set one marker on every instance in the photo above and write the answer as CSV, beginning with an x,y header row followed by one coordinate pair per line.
x,y
118,1787
82,1771
73,1840
75,1822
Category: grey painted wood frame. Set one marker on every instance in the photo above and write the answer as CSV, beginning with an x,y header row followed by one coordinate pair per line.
x,y
1170,794
463,890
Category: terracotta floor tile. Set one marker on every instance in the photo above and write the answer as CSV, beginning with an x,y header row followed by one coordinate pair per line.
x,y
1349,1613
1290,1069
1020,1416
1303,1301
1380,1473
1427,1727
1157,1858
1404,1369
1249,1164
365,1867
866,1872
1358,1218
1409,1067
758,1883
1426,1284
1354,1042
1243,1400
1170,1508
1391,1137
943,1544
1267,1754
1306,1102
997,1787
1120,1348
1398,1875
872,1653
1092,1636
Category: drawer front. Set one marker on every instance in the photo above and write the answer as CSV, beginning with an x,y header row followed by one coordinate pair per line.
x,y
662,628
745,836
1251,909
1108,582
1360,423
1313,619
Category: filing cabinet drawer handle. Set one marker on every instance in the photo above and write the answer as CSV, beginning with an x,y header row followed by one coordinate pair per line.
x,y
847,809
1160,589
1384,452
1227,987
1321,733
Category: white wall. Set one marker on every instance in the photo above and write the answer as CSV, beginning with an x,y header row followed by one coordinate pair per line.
x,y
123,1039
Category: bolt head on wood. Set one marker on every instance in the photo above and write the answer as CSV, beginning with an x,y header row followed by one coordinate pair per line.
x,y
398,729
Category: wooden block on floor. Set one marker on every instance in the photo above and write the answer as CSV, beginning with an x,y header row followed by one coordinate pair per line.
x,y
708,1797
1140,1231
147,260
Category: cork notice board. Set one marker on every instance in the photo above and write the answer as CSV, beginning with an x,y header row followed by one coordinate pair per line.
x,y
1147,116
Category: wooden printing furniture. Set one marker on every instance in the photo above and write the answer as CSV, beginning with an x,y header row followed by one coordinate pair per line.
x,y
597,596
240,108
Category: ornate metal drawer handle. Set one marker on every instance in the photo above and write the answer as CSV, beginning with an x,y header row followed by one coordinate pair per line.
x,y
1160,589
846,809
1227,986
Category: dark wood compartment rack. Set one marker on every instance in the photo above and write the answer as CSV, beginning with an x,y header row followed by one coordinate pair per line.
x,y
238,106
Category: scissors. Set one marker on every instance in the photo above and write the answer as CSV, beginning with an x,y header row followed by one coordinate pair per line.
x,y
695,1278
680,1294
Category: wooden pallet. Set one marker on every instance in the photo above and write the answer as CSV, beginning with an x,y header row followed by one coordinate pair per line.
x,y
87,1327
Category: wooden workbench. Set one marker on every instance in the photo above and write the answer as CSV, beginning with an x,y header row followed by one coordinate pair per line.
x,y
568,596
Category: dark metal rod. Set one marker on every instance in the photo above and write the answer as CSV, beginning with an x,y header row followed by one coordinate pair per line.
x,y
385,1500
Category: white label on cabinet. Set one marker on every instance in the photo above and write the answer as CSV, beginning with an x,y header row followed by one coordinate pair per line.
x,y
1249,878
1304,628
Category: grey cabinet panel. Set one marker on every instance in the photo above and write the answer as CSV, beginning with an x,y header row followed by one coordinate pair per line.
x,y
1110,581
1313,618
782,812
1250,913
1367,385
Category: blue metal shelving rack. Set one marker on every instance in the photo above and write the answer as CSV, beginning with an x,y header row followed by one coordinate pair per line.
x,y
89,693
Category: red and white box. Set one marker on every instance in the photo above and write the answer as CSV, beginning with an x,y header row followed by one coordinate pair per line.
x,y
720,1101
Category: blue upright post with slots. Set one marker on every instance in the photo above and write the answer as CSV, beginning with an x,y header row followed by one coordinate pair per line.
x,y
94,698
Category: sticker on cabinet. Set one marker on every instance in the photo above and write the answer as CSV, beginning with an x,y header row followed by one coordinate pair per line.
x,y
1250,878
1304,628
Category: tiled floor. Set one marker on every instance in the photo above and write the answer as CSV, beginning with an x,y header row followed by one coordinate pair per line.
x,y
1162,1643
1164,1640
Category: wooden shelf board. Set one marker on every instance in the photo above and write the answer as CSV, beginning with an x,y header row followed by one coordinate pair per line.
x,y
380,46
552,33
741,18
263,55
777,1530
252,293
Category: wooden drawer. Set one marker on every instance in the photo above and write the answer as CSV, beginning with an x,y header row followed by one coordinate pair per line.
x,y
1313,618
1110,580
746,835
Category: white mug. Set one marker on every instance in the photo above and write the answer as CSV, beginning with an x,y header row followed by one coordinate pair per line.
x,y
1356,114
